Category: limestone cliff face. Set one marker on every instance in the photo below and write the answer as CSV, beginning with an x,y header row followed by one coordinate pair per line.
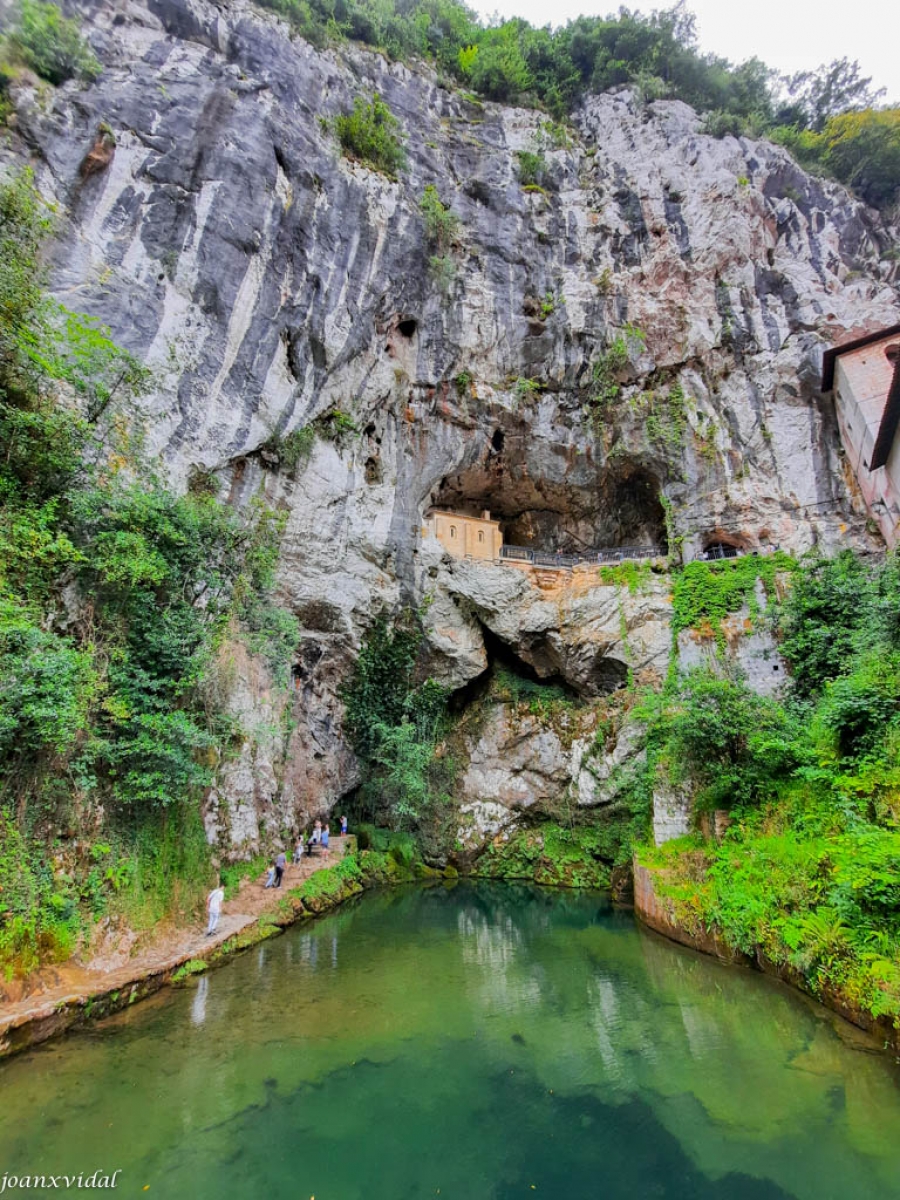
x,y
271,282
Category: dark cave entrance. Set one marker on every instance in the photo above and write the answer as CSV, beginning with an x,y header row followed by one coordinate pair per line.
x,y
503,658
537,668
611,509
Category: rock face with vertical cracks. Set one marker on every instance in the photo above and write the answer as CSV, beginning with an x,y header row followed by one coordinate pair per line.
x,y
270,283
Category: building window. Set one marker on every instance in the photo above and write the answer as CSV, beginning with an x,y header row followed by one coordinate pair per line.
x,y
480,536
453,531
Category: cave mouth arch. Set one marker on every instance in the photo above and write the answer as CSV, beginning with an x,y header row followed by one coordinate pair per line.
x,y
534,665
606,509
607,675
719,546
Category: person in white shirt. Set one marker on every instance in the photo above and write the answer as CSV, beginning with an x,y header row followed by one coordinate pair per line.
x,y
214,908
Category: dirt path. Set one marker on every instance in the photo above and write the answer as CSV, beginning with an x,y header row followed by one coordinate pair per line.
x,y
56,997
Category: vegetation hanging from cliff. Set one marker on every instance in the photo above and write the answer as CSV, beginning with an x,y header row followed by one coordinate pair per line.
x,y
704,593
396,727
43,39
809,871
114,595
371,133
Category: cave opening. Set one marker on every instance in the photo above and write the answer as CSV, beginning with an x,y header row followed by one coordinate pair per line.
x,y
718,548
534,668
607,510
407,327
522,676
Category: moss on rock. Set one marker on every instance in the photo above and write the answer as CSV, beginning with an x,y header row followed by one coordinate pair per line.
x,y
582,856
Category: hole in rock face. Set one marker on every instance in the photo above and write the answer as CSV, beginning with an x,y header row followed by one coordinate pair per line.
x,y
544,672
308,658
497,441
588,510
531,668
407,327
320,617
719,548
607,675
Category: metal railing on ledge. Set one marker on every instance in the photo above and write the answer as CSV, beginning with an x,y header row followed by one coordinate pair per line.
x,y
540,558
719,551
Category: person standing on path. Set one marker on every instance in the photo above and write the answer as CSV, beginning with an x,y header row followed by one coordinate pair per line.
x,y
325,836
280,864
214,908
343,826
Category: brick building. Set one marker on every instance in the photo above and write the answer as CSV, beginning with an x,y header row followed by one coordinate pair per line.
x,y
864,376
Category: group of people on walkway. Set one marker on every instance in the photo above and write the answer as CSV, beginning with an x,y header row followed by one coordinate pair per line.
x,y
320,836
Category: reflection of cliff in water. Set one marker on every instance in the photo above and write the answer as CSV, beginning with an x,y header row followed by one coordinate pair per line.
x,y
572,1048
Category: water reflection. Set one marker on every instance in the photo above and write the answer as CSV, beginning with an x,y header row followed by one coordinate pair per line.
x,y
198,1007
466,1035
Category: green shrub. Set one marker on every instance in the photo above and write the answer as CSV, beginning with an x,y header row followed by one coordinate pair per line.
x,y
442,269
859,707
401,847
47,688
733,742
38,914
292,448
381,682
296,447
525,390
826,607
335,425
633,575
863,151
532,168
606,389
719,124
807,874
370,134
52,45
441,223
394,727
498,69
274,634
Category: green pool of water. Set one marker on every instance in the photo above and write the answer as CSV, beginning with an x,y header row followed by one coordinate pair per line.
x,y
469,1042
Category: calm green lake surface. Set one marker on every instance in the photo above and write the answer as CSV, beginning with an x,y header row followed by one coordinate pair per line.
x,y
476,1042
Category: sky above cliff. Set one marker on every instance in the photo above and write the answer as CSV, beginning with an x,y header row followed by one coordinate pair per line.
x,y
790,35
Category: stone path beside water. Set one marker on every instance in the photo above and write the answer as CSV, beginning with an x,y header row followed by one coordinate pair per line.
x,y
58,997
